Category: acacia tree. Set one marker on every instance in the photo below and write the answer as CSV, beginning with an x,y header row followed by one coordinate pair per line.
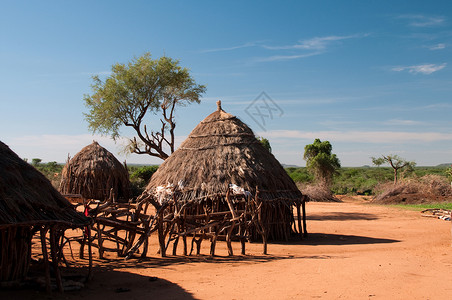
x,y
321,162
132,92
395,161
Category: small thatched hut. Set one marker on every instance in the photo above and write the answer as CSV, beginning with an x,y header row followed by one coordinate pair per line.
x,y
28,204
95,173
223,151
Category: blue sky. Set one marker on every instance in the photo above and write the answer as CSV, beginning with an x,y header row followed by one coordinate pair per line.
x,y
371,77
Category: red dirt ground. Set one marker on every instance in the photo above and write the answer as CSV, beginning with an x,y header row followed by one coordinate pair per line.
x,y
355,251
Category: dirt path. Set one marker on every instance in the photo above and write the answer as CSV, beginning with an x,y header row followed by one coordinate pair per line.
x,y
355,251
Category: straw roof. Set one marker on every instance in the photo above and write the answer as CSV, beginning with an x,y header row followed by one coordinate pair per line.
x,y
93,172
222,150
28,198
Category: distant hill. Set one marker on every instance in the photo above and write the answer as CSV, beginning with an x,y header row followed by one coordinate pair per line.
x,y
444,165
290,166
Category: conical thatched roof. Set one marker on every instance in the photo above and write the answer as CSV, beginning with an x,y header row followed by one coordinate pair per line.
x,y
223,150
27,197
93,172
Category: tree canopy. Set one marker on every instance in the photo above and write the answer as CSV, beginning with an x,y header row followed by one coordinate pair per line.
x,y
265,142
395,161
320,161
144,86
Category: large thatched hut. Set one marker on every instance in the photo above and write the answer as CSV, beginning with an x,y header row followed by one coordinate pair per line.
x,y
29,204
95,173
222,154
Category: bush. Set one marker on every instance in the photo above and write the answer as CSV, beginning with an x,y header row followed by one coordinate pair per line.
x,y
140,177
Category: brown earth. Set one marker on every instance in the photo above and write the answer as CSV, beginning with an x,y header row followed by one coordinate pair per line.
x,y
355,250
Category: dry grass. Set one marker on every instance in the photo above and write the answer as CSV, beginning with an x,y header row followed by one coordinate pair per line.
x,y
27,196
93,173
429,188
220,151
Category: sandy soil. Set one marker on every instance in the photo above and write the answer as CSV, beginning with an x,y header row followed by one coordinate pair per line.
x,y
354,251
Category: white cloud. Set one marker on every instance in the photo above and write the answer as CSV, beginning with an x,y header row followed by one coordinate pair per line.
x,y
284,57
426,69
439,46
422,20
246,45
402,122
317,43
373,137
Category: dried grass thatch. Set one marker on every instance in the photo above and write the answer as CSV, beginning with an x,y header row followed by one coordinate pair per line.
x,y
94,172
222,150
28,197
28,203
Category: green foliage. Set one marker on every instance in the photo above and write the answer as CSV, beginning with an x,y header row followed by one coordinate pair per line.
x,y
144,173
142,87
265,143
396,162
300,175
449,172
360,180
139,178
320,161
440,205
51,170
35,162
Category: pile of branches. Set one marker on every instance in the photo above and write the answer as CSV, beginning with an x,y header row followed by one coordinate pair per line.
x,y
426,189
318,192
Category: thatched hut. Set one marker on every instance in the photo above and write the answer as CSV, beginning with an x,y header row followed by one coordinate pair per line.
x,y
29,204
222,151
95,173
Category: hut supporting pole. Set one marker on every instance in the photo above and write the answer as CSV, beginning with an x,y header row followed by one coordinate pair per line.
x,y
100,241
260,221
234,218
45,256
300,229
90,253
53,251
303,206
161,233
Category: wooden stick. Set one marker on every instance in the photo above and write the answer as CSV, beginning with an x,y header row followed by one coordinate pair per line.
x,y
43,232
53,251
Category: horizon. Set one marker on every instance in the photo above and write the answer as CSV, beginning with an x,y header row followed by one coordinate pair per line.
x,y
370,78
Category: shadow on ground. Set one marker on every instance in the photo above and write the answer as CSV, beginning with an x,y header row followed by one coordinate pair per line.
x,y
341,216
316,239
110,284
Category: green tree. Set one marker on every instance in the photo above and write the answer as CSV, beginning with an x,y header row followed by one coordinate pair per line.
x,y
145,173
265,143
35,162
396,162
134,91
321,162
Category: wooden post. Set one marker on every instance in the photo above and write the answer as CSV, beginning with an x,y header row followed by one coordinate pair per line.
x,y
184,237
234,217
100,241
53,251
303,206
259,218
43,232
300,229
161,233
90,253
